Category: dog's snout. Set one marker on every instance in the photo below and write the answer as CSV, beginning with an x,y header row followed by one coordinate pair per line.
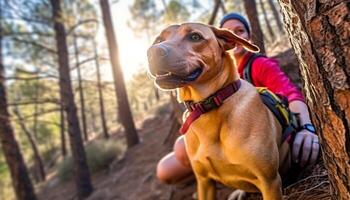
x,y
157,51
157,58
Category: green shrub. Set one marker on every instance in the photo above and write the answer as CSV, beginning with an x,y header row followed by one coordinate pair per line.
x,y
99,155
65,170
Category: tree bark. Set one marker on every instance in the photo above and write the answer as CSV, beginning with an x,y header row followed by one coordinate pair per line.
x,y
100,93
20,180
267,21
256,33
215,12
80,88
124,112
38,160
63,136
222,6
276,15
320,34
82,173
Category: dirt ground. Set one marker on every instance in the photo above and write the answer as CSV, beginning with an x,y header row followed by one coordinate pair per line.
x,y
133,177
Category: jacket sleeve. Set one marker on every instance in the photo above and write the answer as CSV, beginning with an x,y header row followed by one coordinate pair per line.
x,y
266,72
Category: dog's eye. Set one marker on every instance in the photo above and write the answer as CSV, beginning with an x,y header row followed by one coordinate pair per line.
x,y
158,40
195,37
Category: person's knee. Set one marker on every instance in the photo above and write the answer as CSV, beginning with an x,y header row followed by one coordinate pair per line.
x,y
180,152
164,172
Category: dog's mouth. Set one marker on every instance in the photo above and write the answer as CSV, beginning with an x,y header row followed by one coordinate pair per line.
x,y
171,80
194,74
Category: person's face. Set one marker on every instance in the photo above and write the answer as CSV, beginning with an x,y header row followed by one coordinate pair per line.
x,y
238,28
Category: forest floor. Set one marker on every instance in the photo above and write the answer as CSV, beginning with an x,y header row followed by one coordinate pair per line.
x,y
133,176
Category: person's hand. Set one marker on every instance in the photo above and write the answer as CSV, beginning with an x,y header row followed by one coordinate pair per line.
x,y
306,144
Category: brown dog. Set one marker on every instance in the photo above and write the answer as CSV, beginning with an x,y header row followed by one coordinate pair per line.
x,y
237,143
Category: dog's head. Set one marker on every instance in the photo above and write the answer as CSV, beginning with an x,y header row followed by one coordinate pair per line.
x,y
190,52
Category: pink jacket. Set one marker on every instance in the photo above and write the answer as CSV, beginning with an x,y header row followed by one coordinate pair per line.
x,y
267,73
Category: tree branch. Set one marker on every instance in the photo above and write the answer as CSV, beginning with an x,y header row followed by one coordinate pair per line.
x,y
215,12
83,62
222,6
87,60
35,74
44,101
29,78
13,34
71,29
41,113
50,122
35,44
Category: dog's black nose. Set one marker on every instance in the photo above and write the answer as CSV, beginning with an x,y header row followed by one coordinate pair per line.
x,y
157,51
157,58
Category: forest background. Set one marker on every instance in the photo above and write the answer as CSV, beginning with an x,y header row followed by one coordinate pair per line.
x,y
78,92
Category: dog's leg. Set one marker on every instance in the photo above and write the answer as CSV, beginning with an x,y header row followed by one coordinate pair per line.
x,y
272,189
205,188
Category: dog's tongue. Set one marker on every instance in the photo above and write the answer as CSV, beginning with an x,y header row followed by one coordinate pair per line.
x,y
194,75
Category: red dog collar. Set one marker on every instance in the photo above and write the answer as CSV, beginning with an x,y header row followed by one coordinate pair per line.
x,y
212,102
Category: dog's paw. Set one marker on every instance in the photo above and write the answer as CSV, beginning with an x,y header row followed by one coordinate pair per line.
x,y
237,195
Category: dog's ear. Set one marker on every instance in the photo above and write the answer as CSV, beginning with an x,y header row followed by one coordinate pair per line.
x,y
228,40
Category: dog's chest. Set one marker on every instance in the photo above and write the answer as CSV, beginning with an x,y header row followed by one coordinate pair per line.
x,y
212,148
205,159
212,162
204,143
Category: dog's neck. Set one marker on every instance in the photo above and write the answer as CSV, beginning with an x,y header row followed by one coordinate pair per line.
x,y
200,91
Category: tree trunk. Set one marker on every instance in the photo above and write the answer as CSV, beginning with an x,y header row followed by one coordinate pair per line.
x,y
39,171
63,137
38,160
100,94
256,33
276,15
222,6
82,174
319,32
215,12
267,21
36,108
20,180
124,111
93,121
80,88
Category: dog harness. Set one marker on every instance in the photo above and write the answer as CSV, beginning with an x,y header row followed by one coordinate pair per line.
x,y
208,104
266,72
247,72
278,105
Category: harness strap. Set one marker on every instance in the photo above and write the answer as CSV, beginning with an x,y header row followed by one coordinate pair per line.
x,y
279,108
212,102
247,71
